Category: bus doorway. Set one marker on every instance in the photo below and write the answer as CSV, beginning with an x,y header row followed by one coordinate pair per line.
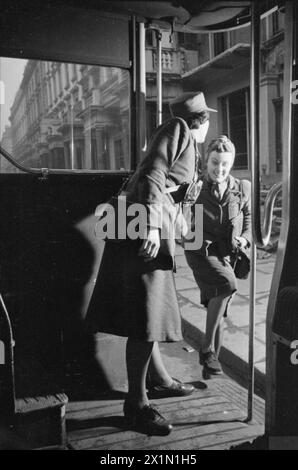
x,y
76,128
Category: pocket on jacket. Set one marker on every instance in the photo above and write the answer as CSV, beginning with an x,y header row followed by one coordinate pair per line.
x,y
233,210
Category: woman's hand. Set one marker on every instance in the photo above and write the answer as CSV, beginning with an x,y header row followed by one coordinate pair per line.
x,y
150,245
241,242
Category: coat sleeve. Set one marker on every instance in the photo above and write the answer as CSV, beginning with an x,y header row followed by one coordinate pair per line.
x,y
246,209
165,148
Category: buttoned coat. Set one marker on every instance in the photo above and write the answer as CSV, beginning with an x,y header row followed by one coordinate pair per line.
x,y
170,161
225,219
132,297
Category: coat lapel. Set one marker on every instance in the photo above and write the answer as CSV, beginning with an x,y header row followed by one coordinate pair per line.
x,y
232,193
206,193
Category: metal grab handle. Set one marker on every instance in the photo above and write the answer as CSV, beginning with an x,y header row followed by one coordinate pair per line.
x,y
10,406
45,172
11,160
268,212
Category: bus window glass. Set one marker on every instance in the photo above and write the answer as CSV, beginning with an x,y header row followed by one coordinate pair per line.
x,y
64,115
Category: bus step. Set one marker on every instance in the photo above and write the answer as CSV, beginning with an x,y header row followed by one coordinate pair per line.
x,y
40,421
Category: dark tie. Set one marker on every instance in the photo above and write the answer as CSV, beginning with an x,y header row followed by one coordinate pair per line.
x,y
215,191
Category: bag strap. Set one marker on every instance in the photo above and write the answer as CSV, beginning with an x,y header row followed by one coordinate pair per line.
x,y
196,175
124,185
242,195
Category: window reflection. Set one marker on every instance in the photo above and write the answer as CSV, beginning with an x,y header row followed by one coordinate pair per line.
x,y
66,116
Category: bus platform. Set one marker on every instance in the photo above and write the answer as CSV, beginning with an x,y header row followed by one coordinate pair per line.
x,y
214,417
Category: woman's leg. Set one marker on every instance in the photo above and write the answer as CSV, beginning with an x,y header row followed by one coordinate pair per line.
x,y
219,336
136,409
159,380
157,372
216,309
138,355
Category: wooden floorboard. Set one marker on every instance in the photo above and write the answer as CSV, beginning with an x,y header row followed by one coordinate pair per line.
x,y
211,418
203,420
181,424
199,405
210,412
167,405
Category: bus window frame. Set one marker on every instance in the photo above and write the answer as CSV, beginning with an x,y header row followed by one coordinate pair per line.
x,y
131,68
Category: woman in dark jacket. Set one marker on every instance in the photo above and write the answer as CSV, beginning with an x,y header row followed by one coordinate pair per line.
x,y
135,294
226,226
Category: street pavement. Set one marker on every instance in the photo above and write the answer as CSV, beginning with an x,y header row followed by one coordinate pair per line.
x,y
234,354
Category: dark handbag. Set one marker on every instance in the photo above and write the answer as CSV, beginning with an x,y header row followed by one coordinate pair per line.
x,y
240,260
241,264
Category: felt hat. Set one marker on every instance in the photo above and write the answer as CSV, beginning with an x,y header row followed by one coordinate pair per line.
x,y
188,103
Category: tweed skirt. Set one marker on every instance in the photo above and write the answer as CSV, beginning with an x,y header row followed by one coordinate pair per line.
x,y
135,299
214,275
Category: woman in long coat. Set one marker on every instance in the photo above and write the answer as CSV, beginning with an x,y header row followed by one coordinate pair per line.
x,y
135,293
226,226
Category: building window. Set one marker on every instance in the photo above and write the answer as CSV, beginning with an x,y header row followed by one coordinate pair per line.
x,y
60,86
79,155
235,119
188,41
278,104
150,38
50,93
66,74
275,22
220,43
94,156
55,84
74,73
119,154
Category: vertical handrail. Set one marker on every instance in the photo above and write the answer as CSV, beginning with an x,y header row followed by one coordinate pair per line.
x,y
255,119
72,145
255,188
251,338
141,91
158,36
133,88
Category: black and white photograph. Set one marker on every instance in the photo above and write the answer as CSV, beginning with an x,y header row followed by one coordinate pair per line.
x,y
148,230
